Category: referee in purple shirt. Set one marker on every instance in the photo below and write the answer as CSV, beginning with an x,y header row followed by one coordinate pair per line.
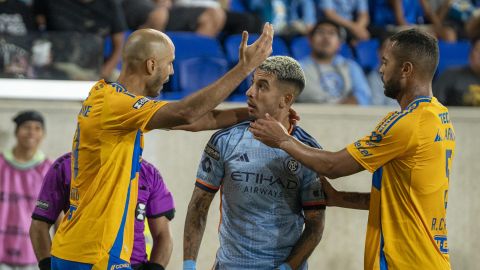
x,y
155,202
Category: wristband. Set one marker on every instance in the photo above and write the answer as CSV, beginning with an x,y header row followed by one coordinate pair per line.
x,y
45,263
189,265
153,266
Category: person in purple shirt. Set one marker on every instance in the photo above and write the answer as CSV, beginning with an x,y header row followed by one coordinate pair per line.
x,y
155,202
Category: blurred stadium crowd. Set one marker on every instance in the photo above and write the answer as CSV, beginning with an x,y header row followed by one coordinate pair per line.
x,y
338,42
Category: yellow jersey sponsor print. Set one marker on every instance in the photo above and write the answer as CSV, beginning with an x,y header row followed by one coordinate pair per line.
x,y
106,156
410,153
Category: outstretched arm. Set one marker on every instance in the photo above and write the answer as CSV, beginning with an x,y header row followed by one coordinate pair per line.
x,y
195,223
330,164
353,200
217,119
193,107
311,236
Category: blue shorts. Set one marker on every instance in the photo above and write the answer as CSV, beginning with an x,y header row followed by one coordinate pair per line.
x,y
113,263
59,264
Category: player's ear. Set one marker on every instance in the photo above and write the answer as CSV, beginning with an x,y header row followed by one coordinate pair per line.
x,y
407,69
150,66
287,100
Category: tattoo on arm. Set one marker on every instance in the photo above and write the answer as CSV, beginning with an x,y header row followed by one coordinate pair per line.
x,y
195,222
356,200
311,236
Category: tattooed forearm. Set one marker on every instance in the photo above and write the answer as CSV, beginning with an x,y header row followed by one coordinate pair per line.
x,y
355,200
195,223
311,236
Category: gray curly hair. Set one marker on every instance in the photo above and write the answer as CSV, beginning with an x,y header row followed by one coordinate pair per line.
x,y
285,69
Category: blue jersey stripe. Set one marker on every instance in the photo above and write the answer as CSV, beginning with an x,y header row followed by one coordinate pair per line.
x,y
383,258
137,152
305,137
377,178
118,244
412,106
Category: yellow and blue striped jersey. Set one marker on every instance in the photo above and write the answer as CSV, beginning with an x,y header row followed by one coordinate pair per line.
x,y
106,158
410,153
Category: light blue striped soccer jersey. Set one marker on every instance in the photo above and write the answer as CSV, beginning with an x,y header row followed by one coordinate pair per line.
x,y
263,193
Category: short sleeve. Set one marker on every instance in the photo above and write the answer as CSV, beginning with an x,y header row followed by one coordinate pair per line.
x,y
211,168
312,194
125,111
160,202
362,6
326,5
53,196
391,138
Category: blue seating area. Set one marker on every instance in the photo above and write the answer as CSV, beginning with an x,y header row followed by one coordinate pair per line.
x,y
201,60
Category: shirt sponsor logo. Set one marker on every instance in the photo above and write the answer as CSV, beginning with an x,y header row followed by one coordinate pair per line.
x,y
42,205
139,104
442,243
212,152
140,212
263,179
120,266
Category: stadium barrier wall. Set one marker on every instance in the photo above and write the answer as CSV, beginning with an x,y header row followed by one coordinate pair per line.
x,y
177,153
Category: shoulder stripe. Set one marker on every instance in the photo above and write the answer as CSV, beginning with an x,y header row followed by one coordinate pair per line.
x,y
410,108
305,137
217,135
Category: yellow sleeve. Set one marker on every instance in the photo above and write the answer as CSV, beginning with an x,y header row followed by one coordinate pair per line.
x,y
125,111
392,137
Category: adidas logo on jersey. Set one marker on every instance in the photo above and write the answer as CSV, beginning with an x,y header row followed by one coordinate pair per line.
x,y
243,158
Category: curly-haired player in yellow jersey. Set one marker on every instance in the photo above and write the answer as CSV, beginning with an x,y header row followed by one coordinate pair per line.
x,y
97,231
410,152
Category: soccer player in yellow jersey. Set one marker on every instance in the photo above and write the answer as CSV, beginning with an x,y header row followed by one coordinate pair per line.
x,y
97,231
409,153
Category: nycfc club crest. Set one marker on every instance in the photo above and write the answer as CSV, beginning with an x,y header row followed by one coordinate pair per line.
x,y
292,166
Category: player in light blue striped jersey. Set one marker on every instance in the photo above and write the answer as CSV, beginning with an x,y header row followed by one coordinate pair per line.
x,y
267,196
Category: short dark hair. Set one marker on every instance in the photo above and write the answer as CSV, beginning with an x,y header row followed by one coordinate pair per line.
x,y
25,116
418,47
322,22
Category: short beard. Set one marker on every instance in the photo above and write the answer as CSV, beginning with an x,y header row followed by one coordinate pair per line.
x,y
392,89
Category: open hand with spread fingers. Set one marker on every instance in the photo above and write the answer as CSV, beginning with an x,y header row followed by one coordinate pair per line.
x,y
251,56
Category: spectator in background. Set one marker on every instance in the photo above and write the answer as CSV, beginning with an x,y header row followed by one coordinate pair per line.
x,y
146,13
101,17
461,86
375,80
21,173
396,15
350,14
330,77
289,17
456,14
205,17
15,18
